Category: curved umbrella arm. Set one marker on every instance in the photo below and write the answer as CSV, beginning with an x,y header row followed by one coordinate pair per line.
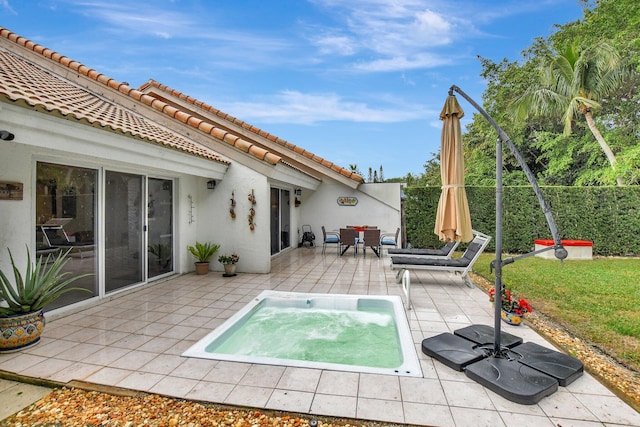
x,y
560,252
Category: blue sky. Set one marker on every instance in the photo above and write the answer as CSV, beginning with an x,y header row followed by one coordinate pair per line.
x,y
354,81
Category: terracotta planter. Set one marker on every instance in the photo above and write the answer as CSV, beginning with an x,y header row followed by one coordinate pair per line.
x,y
20,331
229,269
511,318
202,268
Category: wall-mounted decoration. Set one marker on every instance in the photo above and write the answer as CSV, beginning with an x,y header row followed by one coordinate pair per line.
x,y
232,210
11,190
191,208
252,211
347,201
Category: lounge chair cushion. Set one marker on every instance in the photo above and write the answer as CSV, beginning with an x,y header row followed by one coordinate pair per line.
x,y
437,262
463,261
443,251
332,239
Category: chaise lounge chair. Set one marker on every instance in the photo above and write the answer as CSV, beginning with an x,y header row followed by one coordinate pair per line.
x,y
460,265
444,252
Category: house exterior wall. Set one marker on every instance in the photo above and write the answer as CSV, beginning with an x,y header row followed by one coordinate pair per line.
x,y
45,138
214,223
378,204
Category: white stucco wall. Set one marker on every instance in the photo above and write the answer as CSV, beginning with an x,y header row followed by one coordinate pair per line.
x,y
213,221
378,204
16,216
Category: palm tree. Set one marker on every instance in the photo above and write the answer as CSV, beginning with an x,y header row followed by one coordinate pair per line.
x,y
353,168
574,82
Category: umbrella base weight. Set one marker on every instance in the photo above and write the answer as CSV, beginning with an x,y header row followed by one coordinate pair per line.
x,y
512,380
565,369
483,335
452,350
523,373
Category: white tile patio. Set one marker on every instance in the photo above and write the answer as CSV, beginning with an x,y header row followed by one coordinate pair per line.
x,y
136,340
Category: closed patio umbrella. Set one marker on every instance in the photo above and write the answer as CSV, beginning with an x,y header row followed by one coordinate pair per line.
x,y
453,221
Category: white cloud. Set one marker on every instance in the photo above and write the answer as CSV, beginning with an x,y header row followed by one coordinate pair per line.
x,y
6,6
310,108
387,35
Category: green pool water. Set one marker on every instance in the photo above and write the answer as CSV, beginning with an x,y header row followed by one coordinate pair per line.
x,y
364,337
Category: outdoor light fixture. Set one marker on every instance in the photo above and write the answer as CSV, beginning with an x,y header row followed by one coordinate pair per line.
x,y
5,135
297,192
211,184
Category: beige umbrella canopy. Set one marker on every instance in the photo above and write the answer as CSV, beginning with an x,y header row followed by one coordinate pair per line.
x,y
453,221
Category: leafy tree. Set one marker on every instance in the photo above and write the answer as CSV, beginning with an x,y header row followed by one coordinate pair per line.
x,y
574,82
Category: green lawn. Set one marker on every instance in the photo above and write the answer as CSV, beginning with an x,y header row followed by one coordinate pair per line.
x,y
597,300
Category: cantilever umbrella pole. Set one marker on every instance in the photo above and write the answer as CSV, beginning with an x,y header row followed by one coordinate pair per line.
x,y
560,251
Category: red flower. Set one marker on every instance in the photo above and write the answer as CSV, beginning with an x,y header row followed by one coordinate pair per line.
x,y
510,305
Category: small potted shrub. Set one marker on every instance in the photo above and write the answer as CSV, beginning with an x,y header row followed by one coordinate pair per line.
x,y
229,263
21,309
203,253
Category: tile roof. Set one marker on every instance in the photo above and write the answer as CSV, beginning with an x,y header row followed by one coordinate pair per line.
x,y
281,142
120,119
22,81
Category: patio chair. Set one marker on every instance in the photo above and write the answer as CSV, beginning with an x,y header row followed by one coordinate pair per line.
x,y
330,238
349,237
460,265
371,238
389,239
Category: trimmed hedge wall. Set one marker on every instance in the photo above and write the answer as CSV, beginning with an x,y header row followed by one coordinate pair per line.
x,y
607,216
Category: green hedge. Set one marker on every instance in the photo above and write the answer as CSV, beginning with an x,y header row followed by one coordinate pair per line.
x,y
607,216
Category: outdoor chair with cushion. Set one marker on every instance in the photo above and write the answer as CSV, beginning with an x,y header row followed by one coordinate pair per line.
x,y
389,239
330,238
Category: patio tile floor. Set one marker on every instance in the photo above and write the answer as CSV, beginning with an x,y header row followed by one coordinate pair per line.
x,y
135,341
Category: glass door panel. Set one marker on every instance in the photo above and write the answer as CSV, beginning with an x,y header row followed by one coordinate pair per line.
x,y
285,215
66,221
274,221
123,230
160,227
280,219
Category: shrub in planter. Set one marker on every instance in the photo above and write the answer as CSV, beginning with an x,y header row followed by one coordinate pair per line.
x,y
21,303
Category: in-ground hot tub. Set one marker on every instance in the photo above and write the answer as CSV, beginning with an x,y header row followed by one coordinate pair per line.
x,y
576,249
357,333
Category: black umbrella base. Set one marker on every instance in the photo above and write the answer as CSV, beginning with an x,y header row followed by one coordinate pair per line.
x,y
523,373
452,350
512,380
484,335
565,369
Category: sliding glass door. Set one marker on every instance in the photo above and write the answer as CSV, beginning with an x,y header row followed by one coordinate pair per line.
x,y
124,210
66,205
160,227
280,220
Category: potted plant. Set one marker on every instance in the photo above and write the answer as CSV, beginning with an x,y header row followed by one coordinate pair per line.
x,y
229,263
512,309
21,313
203,253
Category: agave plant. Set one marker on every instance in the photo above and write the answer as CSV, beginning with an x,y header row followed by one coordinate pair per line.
x,y
41,284
203,251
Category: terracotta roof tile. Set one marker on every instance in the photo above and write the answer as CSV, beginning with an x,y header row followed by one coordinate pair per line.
x,y
23,81
253,129
159,105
